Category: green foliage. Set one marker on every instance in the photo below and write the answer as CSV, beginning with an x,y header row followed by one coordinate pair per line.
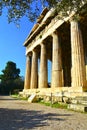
x,y
17,96
55,105
10,72
52,3
66,7
16,9
10,79
19,8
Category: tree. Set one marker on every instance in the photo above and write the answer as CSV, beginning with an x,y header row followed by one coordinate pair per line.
x,y
19,8
10,78
10,72
31,8
19,83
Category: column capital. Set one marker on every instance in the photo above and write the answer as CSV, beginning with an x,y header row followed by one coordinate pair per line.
x,y
54,33
35,50
75,18
29,54
43,42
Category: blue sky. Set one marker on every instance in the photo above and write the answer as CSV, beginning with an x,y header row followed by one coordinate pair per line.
x,y
11,42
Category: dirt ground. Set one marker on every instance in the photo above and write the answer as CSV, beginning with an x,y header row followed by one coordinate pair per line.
x,y
21,115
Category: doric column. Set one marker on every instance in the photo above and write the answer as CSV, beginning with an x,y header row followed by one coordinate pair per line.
x,y
43,78
27,73
56,62
77,53
34,70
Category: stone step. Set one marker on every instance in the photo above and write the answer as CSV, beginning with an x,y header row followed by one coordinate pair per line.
x,y
82,102
77,107
81,98
75,101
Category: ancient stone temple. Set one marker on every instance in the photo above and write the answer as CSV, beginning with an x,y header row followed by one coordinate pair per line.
x,y
64,43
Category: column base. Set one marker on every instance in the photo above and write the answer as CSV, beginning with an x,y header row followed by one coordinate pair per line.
x,y
57,79
78,89
68,92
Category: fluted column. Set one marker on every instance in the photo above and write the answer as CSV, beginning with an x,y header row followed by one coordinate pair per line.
x,y
34,70
56,62
77,53
27,73
43,78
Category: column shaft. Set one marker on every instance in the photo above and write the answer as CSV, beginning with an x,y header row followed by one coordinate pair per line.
x,y
34,71
43,78
56,62
77,52
27,73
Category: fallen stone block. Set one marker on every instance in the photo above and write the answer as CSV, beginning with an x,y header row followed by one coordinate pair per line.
x,y
32,98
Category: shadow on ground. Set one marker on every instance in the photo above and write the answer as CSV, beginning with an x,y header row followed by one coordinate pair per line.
x,y
26,120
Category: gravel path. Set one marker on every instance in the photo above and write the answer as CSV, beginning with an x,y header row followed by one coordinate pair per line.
x,y
20,115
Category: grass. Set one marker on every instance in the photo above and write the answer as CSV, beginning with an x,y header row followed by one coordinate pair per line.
x,y
59,105
54,105
16,96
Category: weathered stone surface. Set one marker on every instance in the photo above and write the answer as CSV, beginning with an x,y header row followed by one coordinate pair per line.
x,y
34,71
78,63
43,77
78,107
32,98
56,62
64,45
28,73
